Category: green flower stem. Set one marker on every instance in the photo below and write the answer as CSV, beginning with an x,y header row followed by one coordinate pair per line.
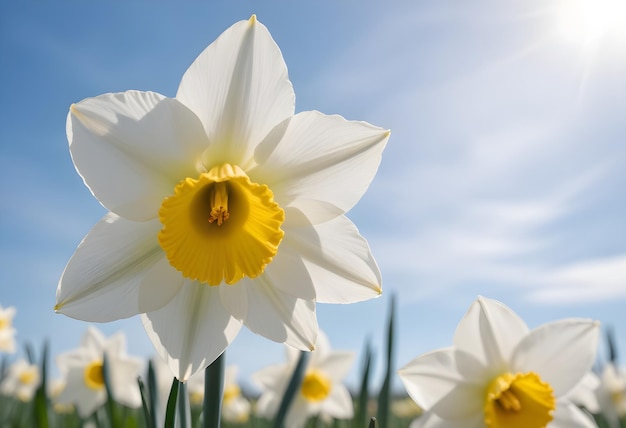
x,y
213,393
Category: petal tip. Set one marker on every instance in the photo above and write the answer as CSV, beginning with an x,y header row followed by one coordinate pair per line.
x,y
252,21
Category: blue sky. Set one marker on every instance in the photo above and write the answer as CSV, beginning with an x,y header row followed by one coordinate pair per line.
x,y
504,175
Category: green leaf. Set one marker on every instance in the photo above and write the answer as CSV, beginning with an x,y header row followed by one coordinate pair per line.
x,y
360,415
373,423
213,393
112,414
144,404
153,394
292,389
40,401
170,411
384,397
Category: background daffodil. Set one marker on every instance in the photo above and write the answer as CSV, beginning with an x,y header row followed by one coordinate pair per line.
x,y
21,380
321,393
226,208
83,378
7,332
499,374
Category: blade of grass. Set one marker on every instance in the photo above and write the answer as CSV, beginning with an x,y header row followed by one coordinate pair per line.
x,y
110,403
170,411
153,394
144,404
40,401
384,397
610,339
292,389
213,393
360,415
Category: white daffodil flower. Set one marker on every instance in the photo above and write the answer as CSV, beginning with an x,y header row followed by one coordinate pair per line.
x,y
499,374
84,379
611,394
321,393
21,381
235,407
225,207
7,332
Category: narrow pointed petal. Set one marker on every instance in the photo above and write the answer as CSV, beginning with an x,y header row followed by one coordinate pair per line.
x,y
278,315
339,403
560,352
102,280
239,88
338,364
430,377
338,258
132,148
568,415
490,331
192,330
323,159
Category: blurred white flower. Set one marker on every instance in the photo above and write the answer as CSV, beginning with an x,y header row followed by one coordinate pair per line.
x,y
611,394
584,394
21,381
235,407
226,208
321,392
499,374
7,332
83,376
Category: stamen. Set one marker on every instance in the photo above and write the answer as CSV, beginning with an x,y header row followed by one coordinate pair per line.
x,y
509,401
219,203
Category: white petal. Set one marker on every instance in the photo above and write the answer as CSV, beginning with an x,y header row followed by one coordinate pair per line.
x,y
240,90
430,377
289,273
102,280
338,258
339,403
273,377
560,352
267,405
430,420
279,316
321,158
337,364
490,331
192,330
568,415
124,373
465,401
132,148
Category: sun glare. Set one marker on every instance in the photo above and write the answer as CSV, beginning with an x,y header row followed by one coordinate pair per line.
x,y
589,21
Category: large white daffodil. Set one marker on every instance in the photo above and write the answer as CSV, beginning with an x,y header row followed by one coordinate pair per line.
x,y
225,207
322,392
499,374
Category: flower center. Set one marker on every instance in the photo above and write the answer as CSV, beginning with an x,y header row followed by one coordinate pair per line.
x,y
518,401
316,386
5,323
93,375
221,226
28,376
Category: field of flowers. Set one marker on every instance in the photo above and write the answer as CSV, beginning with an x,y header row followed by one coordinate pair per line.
x,y
101,386
227,209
